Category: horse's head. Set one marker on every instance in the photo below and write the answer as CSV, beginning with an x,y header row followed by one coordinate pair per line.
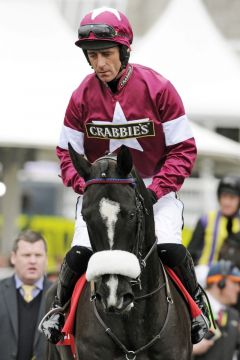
x,y
114,211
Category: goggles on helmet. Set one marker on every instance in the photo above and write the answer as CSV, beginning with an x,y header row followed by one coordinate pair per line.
x,y
101,31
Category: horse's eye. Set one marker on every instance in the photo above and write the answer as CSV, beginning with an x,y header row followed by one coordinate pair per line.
x,y
131,215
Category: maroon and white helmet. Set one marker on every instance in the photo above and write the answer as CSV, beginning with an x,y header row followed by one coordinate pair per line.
x,y
104,27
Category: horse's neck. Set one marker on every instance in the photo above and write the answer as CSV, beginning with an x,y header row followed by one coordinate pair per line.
x,y
152,273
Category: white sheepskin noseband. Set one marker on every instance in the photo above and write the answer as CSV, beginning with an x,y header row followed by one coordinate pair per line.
x,y
116,262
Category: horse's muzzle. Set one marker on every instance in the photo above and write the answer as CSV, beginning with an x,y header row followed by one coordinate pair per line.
x,y
115,294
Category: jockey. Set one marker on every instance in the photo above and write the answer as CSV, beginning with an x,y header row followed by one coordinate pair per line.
x,y
154,127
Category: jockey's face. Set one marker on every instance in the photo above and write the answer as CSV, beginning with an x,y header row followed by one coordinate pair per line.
x,y
106,63
229,203
29,260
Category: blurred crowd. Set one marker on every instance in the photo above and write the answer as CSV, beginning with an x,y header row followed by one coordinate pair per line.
x,y
215,248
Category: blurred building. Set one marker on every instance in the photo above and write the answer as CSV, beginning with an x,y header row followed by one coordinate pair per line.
x,y
224,13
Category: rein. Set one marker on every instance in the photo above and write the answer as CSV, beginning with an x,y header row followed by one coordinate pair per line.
x,y
143,263
132,354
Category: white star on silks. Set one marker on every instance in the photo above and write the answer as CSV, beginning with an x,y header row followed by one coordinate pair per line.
x,y
98,11
120,119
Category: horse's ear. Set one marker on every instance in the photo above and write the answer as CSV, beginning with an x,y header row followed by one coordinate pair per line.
x,y
82,166
124,161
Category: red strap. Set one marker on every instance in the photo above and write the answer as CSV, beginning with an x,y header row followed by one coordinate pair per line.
x,y
69,324
69,341
194,309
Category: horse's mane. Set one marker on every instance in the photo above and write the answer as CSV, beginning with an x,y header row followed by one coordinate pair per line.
x,y
150,228
141,185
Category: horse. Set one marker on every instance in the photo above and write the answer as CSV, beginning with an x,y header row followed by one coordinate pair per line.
x,y
131,309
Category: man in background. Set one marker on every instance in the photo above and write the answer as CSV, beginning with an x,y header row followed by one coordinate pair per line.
x,y
22,300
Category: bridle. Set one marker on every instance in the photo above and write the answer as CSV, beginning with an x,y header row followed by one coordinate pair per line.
x,y
142,211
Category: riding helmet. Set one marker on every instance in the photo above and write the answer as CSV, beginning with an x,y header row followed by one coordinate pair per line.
x,y
230,185
103,28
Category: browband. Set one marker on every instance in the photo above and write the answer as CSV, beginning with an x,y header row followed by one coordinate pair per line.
x,y
130,181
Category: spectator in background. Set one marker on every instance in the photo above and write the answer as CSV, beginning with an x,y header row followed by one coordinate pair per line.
x,y
22,300
213,228
223,285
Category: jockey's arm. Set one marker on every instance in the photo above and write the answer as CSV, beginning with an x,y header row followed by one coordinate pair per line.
x,y
69,175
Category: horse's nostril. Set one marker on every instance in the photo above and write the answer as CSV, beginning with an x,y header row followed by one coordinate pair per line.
x,y
111,309
98,296
128,297
127,300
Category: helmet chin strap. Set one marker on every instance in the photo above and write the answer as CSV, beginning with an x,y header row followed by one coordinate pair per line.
x,y
117,77
124,54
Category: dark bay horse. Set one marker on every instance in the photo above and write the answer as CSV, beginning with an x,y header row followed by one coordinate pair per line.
x,y
136,312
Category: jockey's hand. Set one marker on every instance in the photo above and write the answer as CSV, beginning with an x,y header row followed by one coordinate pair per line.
x,y
202,347
152,196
